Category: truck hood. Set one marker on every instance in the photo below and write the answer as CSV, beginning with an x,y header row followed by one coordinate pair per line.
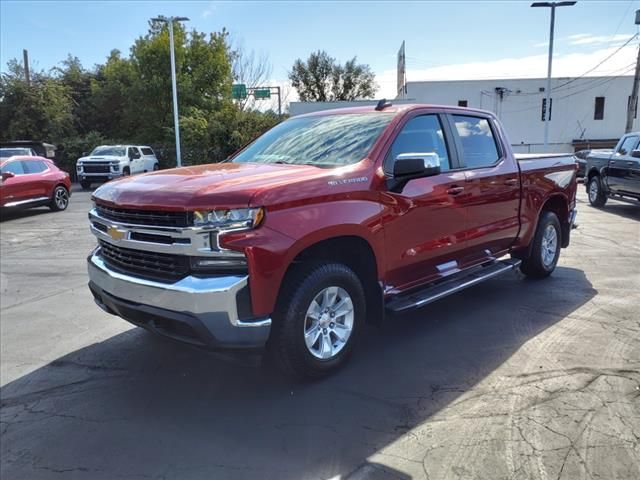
x,y
101,158
230,185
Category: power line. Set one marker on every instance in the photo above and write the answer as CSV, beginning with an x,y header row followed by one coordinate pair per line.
x,y
600,63
601,82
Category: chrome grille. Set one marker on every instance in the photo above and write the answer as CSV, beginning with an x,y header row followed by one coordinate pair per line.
x,y
145,217
159,266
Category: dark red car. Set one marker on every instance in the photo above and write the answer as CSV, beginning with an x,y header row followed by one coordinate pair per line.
x,y
32,182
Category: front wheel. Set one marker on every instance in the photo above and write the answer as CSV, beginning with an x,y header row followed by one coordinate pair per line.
x,y
318,319
597,196
86,185
545,250
59,199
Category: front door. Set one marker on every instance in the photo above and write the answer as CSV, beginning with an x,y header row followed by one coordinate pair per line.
x,y
492,189
17,188
621,166
425,224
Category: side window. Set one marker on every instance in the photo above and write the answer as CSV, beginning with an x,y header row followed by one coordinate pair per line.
x,y
147,151
479,147
13,167
33,166
422,134
628,145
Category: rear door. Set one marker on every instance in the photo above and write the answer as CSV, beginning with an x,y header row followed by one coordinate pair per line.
x,y
621,166
491,188
425,224
149,158
36,178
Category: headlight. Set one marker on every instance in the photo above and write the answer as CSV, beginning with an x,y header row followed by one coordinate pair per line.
x,y
115,166
233,219
79,167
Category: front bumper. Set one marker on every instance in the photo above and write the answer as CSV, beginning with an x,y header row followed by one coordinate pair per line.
x,y
98,177
200,311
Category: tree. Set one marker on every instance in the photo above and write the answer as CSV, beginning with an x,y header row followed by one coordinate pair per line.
x,y
322,79
42,109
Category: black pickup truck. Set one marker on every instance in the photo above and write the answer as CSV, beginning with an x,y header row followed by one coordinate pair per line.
x,y
615,173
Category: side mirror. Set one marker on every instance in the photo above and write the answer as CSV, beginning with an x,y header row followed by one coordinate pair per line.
x,y
635,153
84,154
409,166
6,175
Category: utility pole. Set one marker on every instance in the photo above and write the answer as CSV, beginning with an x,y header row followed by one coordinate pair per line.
x,y
176,123
547,111
633,100
27,77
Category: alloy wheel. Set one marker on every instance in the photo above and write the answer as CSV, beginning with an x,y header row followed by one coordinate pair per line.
x,y
328,323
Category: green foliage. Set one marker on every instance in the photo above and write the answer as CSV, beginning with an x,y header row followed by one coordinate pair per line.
x,y
129,100
322,79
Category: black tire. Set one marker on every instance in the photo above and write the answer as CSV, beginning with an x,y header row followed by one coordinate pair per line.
x,y
287,343
85,185
156,167
126,172
595,192
535,266
59,199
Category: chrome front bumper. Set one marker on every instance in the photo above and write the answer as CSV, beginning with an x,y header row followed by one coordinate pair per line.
x,y
202,311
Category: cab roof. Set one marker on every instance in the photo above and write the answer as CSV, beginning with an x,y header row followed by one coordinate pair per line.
x,y
395,109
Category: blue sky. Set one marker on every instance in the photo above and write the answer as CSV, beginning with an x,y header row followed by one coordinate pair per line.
x,y
444,39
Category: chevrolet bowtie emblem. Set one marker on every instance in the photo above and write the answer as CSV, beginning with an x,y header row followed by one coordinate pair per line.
x,y
116,234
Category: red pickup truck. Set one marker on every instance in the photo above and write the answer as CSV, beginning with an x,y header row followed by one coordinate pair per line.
x,y
323,224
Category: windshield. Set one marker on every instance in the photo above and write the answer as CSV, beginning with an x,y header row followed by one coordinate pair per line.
x,y
10,152
106,150
330,140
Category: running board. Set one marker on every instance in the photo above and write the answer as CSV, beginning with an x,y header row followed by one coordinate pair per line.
x,y
419,298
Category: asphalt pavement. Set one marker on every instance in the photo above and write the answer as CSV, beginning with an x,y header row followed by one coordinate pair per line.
x,y
512,379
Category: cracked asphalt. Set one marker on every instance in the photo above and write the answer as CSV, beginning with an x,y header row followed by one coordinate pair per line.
x,y
513,379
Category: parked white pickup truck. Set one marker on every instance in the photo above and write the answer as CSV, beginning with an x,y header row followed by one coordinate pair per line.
x,y
107,162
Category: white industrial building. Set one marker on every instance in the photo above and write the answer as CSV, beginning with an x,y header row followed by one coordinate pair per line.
x,y
586,112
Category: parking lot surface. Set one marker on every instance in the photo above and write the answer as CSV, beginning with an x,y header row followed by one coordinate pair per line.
x,y
513,379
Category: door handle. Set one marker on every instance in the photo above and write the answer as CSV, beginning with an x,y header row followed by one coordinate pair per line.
x,y
455,190
511,181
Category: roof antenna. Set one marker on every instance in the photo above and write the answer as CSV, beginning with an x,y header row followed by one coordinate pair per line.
x,y
382,104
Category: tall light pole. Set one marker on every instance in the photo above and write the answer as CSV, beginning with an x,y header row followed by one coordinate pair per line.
x,y
176,124
633,99
547,111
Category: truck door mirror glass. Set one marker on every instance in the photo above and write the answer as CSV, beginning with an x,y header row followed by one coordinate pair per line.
x,y
408,166
635,153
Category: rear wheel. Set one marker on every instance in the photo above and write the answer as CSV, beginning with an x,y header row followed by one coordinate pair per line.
x,y
156,167
545,250
597,196
318,319
86,185
59,199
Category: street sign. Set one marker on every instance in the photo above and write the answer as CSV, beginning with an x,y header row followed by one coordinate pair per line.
x,y
261,93
239,91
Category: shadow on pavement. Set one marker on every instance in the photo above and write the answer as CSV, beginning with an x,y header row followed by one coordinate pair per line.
x,y
625,210
14,214
138,405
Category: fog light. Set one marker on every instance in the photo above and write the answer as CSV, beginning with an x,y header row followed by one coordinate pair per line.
x,y
219,264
